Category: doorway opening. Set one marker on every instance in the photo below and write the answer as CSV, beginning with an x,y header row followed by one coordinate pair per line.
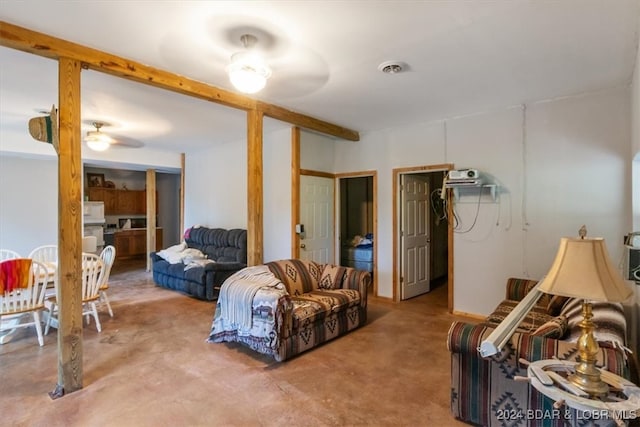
x,y
423,238
122,210
357,222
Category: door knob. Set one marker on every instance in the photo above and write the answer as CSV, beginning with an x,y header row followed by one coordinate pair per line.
x,y
303,246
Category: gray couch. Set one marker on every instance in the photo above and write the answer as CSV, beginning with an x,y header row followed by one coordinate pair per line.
x,y
228,248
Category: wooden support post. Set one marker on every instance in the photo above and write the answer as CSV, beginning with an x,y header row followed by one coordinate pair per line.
x,y
255,217
151,214
182,172
295,190
70,374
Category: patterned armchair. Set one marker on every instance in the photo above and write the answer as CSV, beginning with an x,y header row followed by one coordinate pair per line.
x,y
483,389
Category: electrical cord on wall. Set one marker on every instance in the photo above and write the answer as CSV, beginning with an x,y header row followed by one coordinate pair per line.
x,y
438,205
456,220
475,219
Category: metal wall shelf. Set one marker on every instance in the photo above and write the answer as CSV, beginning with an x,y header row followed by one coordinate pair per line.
x,y
471,193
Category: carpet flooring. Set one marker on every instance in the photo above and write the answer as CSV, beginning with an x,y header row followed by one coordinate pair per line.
x,y
151,366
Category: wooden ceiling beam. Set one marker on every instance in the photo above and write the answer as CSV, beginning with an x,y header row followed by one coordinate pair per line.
x,y
41,44
54,48
300,120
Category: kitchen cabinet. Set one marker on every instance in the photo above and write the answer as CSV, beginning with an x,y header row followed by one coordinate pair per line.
x,y
106,195
133,243
120,202
128,202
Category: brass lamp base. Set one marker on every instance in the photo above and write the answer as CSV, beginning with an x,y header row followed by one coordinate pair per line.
x,y
587,375
591,385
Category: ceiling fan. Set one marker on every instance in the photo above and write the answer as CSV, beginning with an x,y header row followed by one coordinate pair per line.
x,y
98,140
227,43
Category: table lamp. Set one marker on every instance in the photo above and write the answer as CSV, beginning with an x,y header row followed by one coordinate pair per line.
x,y
582,269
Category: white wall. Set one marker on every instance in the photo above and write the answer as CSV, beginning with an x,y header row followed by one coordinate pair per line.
x,y
216,195
566,140
216,186
634,329
635,105
29,180
168,186
29,200
578,172
216,182
28,203
316,152
635,135
277,195
489,251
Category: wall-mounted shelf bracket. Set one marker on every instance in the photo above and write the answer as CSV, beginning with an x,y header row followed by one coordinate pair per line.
x,y
473,191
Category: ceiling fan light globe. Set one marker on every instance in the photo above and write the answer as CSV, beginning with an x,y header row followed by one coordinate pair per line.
x,y
248,72
98,144
247,81
98,141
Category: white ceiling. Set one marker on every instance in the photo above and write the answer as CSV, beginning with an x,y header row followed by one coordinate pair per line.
x,y
463,57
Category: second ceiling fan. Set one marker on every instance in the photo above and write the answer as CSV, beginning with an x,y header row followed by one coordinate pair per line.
x,y
98,140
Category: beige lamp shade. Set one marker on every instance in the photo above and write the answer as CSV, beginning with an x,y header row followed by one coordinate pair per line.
x,y
583,269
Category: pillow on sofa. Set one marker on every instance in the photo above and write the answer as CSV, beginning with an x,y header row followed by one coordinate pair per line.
x,y
191,254
198,263
180,253
331,277
299,276
554,328
173,254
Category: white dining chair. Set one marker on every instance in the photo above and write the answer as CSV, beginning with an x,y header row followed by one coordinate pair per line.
x,y
108,256
47,254
22,289
92,276
8,254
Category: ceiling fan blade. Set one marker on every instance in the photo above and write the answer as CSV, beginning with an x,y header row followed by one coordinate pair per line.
x,y
300,72
126,142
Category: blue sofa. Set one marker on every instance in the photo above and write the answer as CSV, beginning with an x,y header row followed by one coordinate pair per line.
x,y
228,248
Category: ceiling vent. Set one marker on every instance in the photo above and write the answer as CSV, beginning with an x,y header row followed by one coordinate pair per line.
x,y
392,67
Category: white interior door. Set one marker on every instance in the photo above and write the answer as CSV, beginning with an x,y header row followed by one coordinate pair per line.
x,y
316,214
415,237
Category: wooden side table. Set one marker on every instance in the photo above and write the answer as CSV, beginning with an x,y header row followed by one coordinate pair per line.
x,y
621,405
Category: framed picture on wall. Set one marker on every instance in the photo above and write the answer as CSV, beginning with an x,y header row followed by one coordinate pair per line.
x,y
95,179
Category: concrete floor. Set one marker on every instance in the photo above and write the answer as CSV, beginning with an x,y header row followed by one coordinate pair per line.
x,y
151,366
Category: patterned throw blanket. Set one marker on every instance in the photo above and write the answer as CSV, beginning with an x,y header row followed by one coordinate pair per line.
x,y
237,293
14,274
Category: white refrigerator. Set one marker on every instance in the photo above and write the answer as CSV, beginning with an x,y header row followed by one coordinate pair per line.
x,y
93,220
